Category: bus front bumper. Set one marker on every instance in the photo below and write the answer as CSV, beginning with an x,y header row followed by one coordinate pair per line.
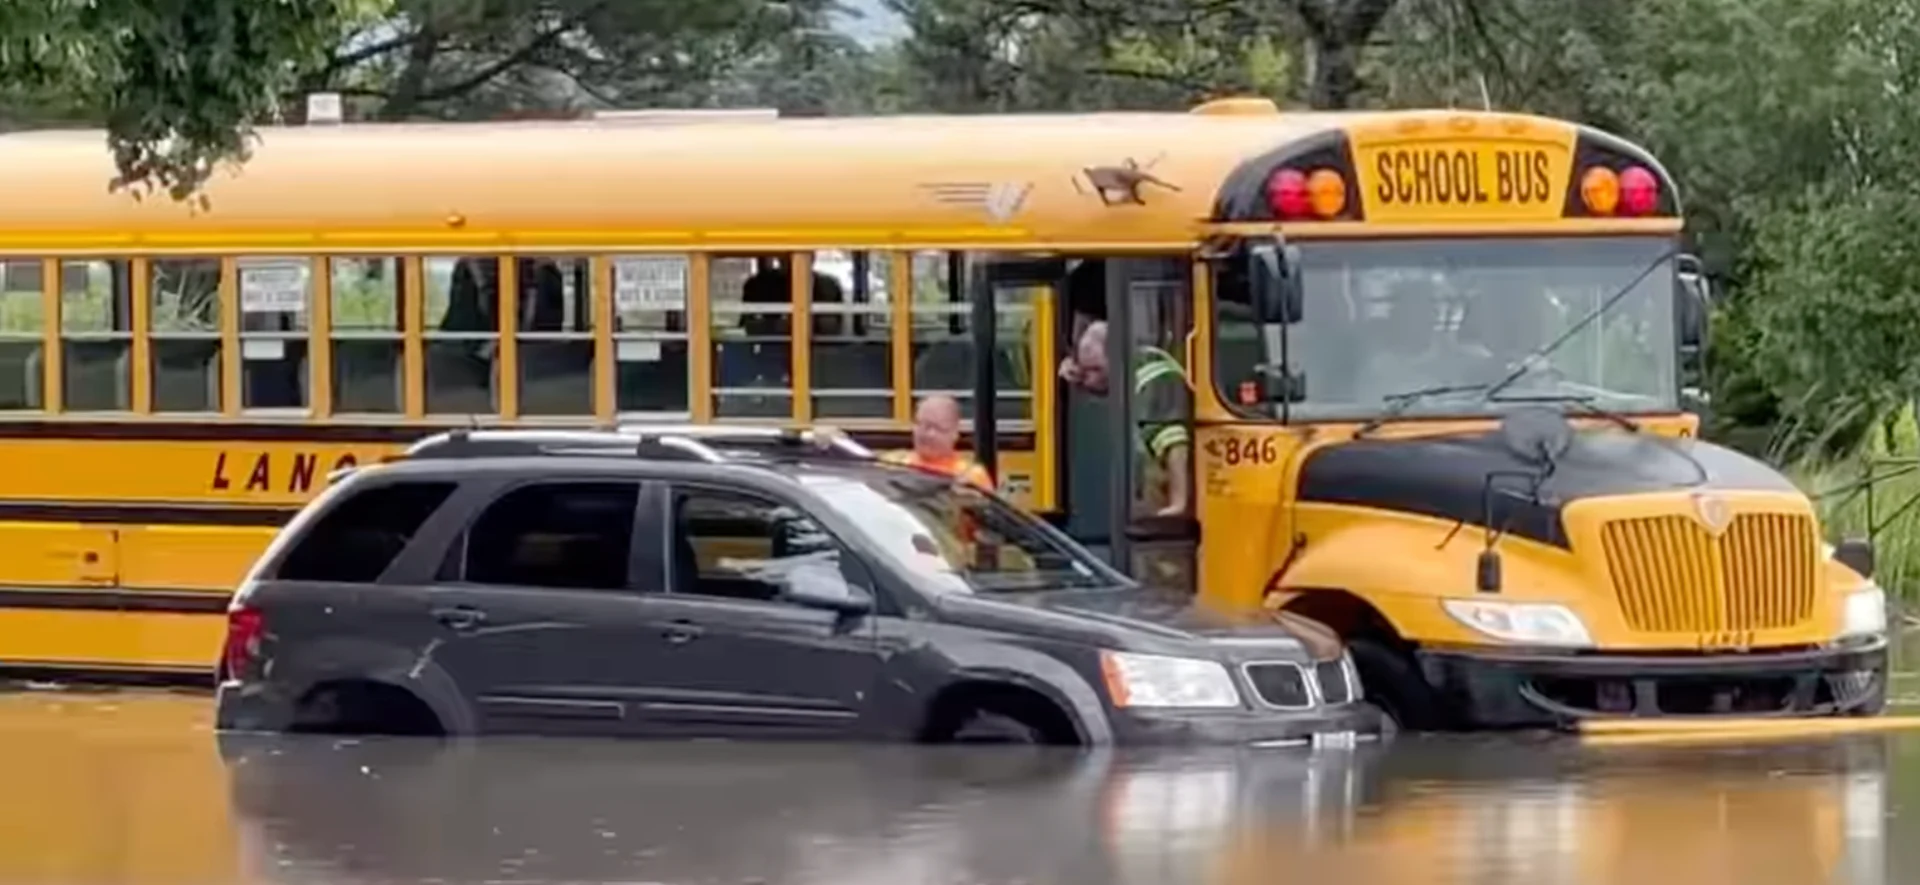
x,y
1519,689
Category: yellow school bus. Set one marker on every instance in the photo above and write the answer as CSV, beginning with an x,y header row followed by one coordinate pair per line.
x,y
1433,364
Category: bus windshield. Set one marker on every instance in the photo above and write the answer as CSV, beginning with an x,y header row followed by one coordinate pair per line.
x,y
1449,321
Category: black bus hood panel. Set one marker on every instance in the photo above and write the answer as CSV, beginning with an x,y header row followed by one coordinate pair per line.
x,y
1445,477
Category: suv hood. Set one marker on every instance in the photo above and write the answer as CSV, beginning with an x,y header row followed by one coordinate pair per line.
x,y
1166,615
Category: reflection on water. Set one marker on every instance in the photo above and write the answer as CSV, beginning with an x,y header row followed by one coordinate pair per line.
x,y
135,788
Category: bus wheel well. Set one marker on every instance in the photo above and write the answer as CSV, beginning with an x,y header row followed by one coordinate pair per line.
x,y
363,706
1346,614
997,712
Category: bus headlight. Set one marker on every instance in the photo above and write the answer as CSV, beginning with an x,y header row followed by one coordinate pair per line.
x,y
1864,612
1530,623
1137,680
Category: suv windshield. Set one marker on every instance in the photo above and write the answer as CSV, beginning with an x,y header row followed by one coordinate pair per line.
x,y
1456,317
959,538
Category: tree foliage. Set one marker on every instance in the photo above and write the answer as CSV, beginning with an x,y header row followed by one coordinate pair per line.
x,y
178,83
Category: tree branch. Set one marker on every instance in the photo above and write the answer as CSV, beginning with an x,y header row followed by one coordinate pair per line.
x,y
513,59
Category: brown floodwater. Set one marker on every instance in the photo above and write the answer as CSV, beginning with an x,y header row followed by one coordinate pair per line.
x,y
136,788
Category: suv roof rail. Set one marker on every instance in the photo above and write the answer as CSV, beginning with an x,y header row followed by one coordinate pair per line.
x,y
661,441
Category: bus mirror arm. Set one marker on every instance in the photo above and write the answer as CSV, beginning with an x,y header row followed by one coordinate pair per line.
x,y
1273,272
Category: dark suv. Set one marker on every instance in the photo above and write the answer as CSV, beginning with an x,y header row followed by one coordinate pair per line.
x,y
709,582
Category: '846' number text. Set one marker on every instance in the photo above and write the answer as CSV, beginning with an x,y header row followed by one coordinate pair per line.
x,y
1234,450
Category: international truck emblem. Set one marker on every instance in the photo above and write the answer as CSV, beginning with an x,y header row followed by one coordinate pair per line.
x,y
1713,513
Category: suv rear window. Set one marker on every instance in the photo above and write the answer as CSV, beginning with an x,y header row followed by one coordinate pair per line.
x,y
356,540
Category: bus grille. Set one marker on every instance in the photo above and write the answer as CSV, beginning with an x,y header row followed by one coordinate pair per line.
x,y
1673,576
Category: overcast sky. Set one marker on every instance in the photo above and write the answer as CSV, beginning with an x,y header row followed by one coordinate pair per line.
x,y
869,21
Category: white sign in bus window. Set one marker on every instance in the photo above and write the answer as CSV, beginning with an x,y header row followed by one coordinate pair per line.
x,y
273,287
650,282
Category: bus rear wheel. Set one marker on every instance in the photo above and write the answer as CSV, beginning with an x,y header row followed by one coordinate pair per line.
x,y
1393,683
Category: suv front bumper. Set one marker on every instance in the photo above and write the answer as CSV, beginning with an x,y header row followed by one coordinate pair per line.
x,y
1518,689
1250,728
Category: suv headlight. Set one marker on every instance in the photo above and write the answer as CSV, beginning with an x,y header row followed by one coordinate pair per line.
x,y
1137,680
1864,612
1531,623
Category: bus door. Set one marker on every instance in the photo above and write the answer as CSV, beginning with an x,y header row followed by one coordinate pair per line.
x,y
1149,420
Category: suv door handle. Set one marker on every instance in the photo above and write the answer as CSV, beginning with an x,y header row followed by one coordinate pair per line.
x,y
460,617
680,632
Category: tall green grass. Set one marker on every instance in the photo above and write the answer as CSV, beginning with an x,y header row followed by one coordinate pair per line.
x,y
1889,512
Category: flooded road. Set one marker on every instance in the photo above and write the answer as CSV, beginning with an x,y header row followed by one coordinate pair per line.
x,y
136,788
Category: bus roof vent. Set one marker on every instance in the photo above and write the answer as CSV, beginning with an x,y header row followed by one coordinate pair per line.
x,y
686,115
324,109
1238,106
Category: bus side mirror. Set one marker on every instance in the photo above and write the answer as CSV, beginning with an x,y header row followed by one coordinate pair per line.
x,y
1274,273
1695,296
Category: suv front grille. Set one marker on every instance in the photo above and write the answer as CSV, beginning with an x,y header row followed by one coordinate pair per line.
x,y
1280,684
1336,687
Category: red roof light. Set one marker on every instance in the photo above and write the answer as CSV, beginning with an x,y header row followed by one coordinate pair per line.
x,y
1287,194
1639,191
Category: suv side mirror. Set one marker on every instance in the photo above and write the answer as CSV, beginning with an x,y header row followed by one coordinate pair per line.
x,y
1273,270
822,586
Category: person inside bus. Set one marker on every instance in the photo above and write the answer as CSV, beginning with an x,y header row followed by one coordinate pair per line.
x,y
1160,384
936,443
1410,348
764,360
460,372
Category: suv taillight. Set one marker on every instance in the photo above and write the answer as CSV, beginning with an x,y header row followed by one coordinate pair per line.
x,y
243,641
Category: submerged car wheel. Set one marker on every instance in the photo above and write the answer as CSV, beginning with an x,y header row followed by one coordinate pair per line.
x,y
1395,685
985,726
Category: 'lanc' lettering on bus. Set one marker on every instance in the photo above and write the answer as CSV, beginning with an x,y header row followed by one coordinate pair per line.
x,y
1452,177
293,473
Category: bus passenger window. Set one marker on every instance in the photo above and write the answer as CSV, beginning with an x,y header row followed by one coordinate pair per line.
x,y
852,363
462,335
276,297
368,348
650,333
752,343
22,323
96,336
555,336
183,295
943,338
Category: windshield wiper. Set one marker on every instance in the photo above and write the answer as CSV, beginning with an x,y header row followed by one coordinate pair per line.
x,y
1399,403
1527,363
1588,402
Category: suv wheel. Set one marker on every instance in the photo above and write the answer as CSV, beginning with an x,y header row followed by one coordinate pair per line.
x,y
992,727
1394,684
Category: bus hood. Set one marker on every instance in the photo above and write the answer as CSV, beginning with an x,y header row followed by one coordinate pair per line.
x,y
1446,476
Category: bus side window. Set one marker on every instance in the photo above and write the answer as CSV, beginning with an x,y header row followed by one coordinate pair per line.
x,y
368,348
276,299
942,341
852,360
555,336
22,325
651,347
96,335
752,345
184,322
462,335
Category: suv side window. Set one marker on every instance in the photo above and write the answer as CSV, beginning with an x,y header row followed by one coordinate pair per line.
x,y
574,535
354,542
740,546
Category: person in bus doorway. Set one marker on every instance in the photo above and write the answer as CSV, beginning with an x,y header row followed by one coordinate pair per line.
x,y
1159,382
936,439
